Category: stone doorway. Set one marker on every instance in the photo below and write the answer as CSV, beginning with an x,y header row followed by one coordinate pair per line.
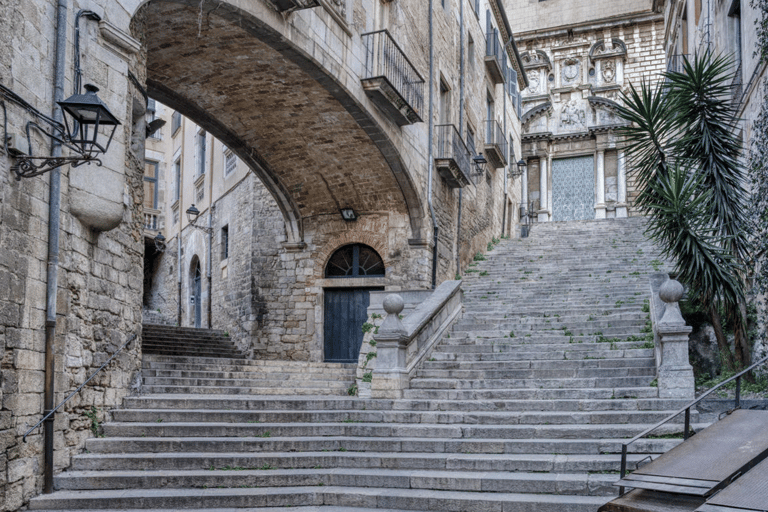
x,y
573,188
197,294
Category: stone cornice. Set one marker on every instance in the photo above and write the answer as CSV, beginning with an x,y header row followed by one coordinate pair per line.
x,y
591,26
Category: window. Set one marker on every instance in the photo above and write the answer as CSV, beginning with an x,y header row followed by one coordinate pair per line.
x,y
150,184
489,108
471,141
176,215
477,8
445,103
200,192
177,179
151,116
230,162
200,153
470,51
175,122
225,242
355,260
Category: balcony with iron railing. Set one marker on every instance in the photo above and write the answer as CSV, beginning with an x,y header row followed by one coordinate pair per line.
x,y
495,144
391,80
452,158
495,60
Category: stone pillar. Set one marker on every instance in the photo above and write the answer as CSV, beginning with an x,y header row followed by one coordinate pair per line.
x,y
600,184
543,190
390,377
524,185
621,179
675,374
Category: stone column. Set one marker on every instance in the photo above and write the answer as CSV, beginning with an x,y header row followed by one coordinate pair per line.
x,y
600,184
524,185
390,377
675,374
621,207
543,190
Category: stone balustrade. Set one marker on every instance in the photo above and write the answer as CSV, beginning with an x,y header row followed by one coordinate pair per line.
x,y
403,344
674,372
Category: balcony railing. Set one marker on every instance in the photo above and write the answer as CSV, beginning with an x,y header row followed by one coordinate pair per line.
x,y
151,220
495,60
495,144
451,156
737,87
391,80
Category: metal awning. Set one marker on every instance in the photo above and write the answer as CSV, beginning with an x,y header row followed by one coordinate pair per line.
x,y
710,460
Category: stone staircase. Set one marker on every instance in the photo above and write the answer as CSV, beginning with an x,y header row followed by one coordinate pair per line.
x,y
160,339
522,408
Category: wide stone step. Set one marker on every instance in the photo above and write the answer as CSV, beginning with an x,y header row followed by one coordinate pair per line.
x,y
105,453
408,499
561,463
267,381
258,391
538,373
566,364
530,394
355,416
236,404
534,382
586,484
156,361
308,375
257,430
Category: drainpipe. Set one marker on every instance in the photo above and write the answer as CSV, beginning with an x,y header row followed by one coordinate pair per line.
x,y
461,125
210,253
506,169
430,160
54,218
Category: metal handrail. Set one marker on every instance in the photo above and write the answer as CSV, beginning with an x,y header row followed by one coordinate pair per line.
x,y
51,413
687,411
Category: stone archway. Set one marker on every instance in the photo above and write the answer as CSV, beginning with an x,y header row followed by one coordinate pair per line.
x,y
303,133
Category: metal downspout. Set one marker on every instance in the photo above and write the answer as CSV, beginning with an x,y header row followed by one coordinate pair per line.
x,y
506,168
430,160
210,255
54,219
461,125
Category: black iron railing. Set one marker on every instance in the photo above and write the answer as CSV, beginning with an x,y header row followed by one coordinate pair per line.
x,y
687,411
53,411
494,136
494,48
737,87
451,146
384,58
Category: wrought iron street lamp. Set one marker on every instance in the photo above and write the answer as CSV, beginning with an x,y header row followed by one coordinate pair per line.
x,y
516,173
159,242
85,116
479,162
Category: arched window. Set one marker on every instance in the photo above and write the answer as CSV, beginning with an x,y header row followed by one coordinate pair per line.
x,y
356,260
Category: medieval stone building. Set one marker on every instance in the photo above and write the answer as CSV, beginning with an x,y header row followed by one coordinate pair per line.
x,y
404,114
579,57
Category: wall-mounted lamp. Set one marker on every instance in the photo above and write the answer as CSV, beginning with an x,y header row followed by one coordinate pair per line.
x,y
84,115
192,214
348,214
516,173
479,162
159,242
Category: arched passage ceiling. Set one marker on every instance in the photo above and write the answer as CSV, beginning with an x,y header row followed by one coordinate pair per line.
x,y
308,140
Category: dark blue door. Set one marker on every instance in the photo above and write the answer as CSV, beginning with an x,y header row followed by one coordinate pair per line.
x,y
198,296
346,310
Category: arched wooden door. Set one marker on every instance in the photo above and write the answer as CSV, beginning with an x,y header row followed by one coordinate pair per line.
x,y
346,308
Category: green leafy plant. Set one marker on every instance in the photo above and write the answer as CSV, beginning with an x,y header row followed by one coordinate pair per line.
x,y
479,257
367,376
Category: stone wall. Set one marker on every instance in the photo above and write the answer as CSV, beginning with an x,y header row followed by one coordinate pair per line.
x,y
553,14
99,276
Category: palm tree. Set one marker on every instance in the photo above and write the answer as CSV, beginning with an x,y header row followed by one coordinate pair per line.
x,y
685,158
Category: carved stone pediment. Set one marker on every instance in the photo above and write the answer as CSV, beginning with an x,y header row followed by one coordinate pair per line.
x,y
613,48
536,59
605,111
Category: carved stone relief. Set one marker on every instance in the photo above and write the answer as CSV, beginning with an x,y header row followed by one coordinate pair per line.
x,y
573,116
571,69
609,71
534,82
340,6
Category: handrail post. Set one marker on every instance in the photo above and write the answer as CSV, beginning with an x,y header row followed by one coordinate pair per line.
x,y
738,392
687,423
623,466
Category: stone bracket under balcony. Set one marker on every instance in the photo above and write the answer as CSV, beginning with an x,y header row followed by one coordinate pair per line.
x,y
450,171
495,155
494,69
386,97
293,5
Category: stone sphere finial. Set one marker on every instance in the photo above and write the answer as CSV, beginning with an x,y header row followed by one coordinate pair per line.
x,y
394,304
671,291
